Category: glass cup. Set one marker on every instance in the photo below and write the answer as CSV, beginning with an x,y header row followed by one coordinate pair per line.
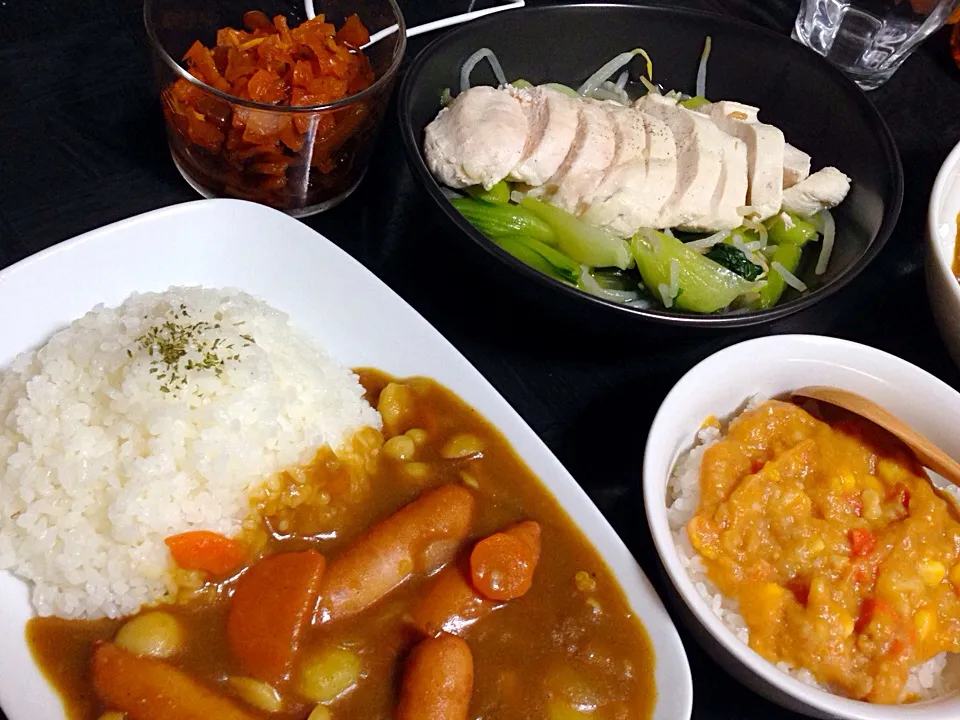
x,y
299,159
869,39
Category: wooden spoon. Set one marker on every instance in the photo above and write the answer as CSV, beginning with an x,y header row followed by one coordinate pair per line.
x,y
929,454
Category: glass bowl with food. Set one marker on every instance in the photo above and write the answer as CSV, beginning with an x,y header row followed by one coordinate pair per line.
x,y
279,103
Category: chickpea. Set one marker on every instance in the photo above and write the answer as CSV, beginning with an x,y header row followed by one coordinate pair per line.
x,y
320,712
328,674
399,447
396,402
418,435
417,470
464,445
259,694
157,634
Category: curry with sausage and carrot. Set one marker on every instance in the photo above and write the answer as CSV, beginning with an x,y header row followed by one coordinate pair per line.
x,y
422,572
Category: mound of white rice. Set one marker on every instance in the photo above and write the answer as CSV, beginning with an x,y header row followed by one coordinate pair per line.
x,y
934,678
103,453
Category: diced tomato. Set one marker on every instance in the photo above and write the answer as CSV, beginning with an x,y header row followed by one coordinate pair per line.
x,y
902,494
869,609
800,589
862,542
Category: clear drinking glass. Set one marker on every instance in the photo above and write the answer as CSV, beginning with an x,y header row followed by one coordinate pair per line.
x,y
869,39
299,159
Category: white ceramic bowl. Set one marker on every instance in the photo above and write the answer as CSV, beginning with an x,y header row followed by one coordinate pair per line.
x,y
943,288
766,368
328,294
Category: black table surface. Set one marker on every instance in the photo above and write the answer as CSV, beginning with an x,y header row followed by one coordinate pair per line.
x,y
82,145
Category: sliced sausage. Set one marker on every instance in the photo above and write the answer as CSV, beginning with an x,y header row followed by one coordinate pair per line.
x,y
437,681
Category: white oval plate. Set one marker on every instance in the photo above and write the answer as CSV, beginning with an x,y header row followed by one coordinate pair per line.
x,y
229,243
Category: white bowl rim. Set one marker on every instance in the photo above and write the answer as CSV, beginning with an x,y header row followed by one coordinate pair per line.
x,y
949,170
653,488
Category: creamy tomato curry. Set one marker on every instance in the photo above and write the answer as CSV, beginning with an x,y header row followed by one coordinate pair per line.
x,y
423,573
844,557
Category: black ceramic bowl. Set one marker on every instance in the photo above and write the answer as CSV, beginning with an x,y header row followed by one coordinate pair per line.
x,y
816,106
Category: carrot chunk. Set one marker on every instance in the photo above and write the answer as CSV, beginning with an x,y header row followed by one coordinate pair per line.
x,y
502,565
147,689
205,550
862,542
271,606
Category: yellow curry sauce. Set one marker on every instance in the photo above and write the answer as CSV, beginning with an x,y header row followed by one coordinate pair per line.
x,y
841,553
570,644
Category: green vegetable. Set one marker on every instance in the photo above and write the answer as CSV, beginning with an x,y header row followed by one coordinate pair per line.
x,y
584,243
565,89
788,255
733,258
499,193
564,267
521,83
498,220
615,279
706,286
800,233
541,257
694,102
445,97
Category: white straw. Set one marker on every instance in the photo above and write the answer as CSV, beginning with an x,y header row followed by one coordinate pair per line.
x,y
430,26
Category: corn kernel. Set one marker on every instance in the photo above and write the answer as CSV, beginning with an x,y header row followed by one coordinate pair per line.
x,y
469,480
710,422
849,481
890,471
869,482
846,623
818,591
817,546
871,504
932,572
925,622
955,577
112,716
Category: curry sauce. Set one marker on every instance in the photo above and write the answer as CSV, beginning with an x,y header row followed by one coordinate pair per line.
x,y
569,645
844,557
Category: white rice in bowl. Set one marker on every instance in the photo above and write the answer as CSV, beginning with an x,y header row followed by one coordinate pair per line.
x,y
933,679
104,453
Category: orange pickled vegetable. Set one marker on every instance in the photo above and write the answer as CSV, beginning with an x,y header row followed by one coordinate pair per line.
x,y
502,565
353,32
270,63
147,689
205,550
270,609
